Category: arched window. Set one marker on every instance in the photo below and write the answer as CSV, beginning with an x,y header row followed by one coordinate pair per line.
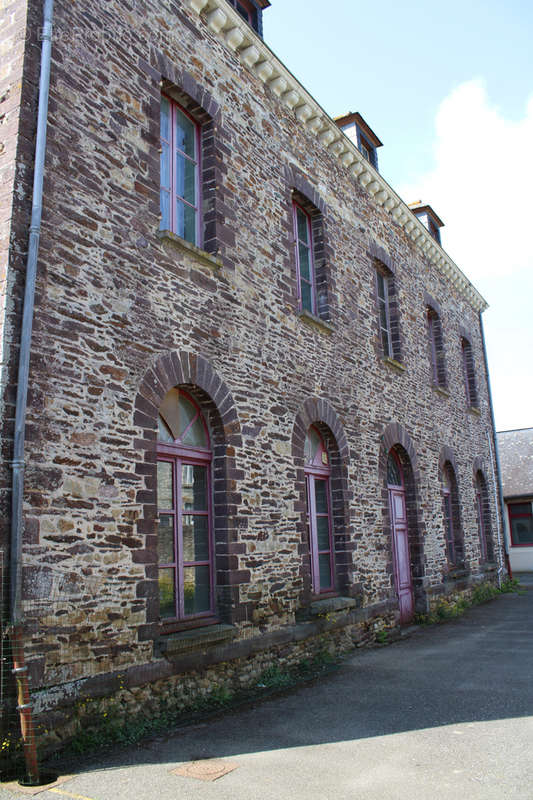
x,y
185,540
452,522
483,518
318,471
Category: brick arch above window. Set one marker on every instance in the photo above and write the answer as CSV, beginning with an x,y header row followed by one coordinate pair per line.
x,y
393,435
318,410
479,465
447,455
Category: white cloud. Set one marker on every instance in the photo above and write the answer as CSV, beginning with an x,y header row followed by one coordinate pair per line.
x,y
481,187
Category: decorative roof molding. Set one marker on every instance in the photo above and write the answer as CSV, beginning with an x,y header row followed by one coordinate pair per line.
x,y
227,24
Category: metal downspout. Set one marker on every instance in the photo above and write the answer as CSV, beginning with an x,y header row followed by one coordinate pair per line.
x,y
20,670
496,469
27,317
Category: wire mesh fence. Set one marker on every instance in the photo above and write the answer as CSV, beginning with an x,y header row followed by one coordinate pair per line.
x,y
62,631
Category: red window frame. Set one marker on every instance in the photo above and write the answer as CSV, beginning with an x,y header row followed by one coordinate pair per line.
x,y
384,321
522,515
179,455
319,471
175,153
308,244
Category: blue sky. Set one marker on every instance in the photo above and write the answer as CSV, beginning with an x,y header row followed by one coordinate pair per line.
x,y
448,88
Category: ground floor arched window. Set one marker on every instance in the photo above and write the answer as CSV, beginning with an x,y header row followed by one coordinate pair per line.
x,y
184,536
319,521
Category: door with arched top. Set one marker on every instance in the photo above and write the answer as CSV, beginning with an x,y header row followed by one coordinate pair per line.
x,y
400,537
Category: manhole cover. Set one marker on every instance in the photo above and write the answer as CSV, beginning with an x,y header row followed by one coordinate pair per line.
x,y
206,770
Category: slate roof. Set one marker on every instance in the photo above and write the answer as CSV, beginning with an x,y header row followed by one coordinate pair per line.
x,y
516,460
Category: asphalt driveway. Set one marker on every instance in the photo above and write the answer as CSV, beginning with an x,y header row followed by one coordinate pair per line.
x,y
442,715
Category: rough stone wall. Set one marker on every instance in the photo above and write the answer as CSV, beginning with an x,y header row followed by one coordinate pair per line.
x,y
122,315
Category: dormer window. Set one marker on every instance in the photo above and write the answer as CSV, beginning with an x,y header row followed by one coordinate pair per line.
x,y
428,218
251,11
361,134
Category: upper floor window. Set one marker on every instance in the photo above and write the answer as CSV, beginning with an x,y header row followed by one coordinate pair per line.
x,y
469,373
180,180
319,517
184,536
305,267
388,319
521,524
436,345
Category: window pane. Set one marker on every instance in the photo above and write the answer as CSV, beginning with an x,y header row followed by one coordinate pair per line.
x,y
194,487
165,539
321,498
312,443
164,484
163,434
305,262
520,508
195,538
196,590
381,286
185,222
301,223
164,202
164,161
165,119
385,342
522,528
322,533
167,599
185,134
185,179
324,567
394,477
195,436
307,297
383,316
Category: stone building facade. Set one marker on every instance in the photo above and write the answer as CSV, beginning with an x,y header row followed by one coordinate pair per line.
x,y
291,303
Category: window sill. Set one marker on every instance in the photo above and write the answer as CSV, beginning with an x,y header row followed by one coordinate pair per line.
x,y
331,605
440,390
394,364
206,258
175,644
314,321
474,410
457,572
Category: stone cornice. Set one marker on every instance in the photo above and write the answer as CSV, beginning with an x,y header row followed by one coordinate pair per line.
x,y
223,21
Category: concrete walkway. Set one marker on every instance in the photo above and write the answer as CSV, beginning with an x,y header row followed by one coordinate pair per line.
x,y
444,715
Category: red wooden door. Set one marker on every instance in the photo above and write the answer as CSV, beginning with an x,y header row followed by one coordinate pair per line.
x,y
400,546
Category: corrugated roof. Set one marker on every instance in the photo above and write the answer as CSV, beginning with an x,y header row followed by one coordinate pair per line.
x,y
516,460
